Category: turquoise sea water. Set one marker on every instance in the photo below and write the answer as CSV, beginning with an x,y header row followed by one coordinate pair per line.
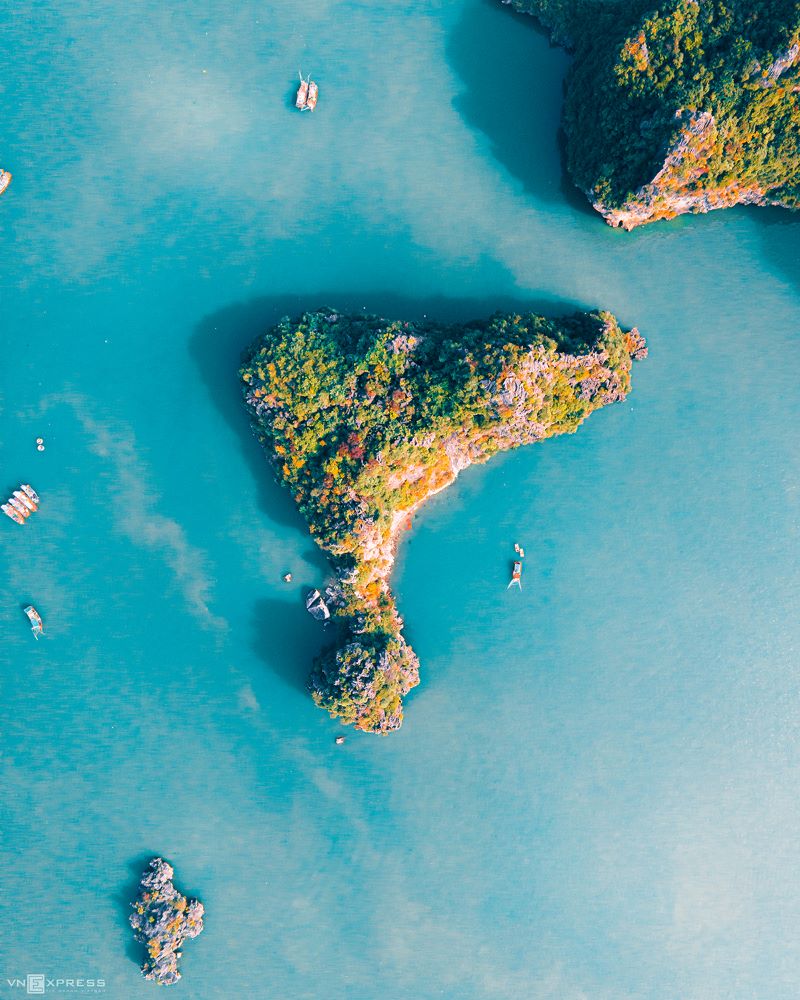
x,y
595,791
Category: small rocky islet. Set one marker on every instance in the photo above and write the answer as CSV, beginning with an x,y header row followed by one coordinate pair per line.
x,y
364,418
162,920
681,107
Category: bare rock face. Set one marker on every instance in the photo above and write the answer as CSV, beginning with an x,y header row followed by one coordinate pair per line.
x,y
782,62
162,919
678,186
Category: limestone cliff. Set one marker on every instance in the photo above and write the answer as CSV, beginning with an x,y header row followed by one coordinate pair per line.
x,y
689,107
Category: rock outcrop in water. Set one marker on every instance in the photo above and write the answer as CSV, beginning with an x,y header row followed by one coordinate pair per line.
x,y
684,107
363,419
162,919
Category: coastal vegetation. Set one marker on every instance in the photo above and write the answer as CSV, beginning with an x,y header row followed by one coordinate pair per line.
x,y
162,919
363,418
681,106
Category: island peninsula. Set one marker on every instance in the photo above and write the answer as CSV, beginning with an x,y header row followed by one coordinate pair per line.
x,y
363,419
682,107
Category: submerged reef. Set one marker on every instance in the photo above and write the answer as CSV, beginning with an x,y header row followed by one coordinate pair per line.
x,y
363,419
162,919
683,107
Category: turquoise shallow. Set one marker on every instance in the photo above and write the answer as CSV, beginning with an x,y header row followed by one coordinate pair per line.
x,y
595,791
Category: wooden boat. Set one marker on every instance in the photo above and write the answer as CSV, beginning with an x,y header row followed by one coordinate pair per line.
x,y
11,512
24,498
5,180
31,492
19,506
516,576
302,94
35,619
313,92
316,607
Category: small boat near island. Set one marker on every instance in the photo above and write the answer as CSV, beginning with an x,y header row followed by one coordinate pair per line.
x,y
35,619
10,511
24,498
316,606
20,507
307,94
302,94
313,93
21,504
5,179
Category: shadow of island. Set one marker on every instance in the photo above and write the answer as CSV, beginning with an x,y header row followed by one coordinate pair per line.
x,y
514,81
283,640
780,230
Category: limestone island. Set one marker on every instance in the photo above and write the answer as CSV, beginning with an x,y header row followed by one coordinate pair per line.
x,y
365,418
681,107
162,919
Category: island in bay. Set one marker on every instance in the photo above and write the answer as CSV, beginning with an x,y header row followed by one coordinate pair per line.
x,y
682,107
162,920
364,418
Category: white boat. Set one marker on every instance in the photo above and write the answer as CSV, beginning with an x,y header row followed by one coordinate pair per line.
x,y
307,94
516,576
24,498
19,506
302,94
316,607
35,619
5,180
313,93
12,513
31,492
